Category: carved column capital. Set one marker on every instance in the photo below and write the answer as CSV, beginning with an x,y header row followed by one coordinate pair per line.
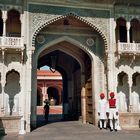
x,y
128,25
114,25
4,15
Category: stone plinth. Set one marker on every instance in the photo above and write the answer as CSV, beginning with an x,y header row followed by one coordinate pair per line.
x,y
10,123
129,120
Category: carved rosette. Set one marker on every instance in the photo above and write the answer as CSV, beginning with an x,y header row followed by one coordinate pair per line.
x,y
101,25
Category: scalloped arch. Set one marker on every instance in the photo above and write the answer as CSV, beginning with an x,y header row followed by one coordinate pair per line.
x,y
121,18
64,16
12,70
15,9
54,86
135,19
120,76
134,76
122,73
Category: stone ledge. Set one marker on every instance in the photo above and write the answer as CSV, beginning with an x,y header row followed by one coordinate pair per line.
x,y
129,121
10,123
10,117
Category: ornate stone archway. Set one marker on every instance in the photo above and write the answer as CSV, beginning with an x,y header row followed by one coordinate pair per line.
x,y
86,49
46,19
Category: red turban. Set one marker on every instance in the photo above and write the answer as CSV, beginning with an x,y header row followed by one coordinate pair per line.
x,y
102,95
112,94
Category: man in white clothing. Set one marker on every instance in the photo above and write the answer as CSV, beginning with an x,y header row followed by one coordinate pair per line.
x,y
102,111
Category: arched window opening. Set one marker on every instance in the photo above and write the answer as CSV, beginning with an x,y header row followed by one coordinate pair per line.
x,y
13,24
135,95
135,31
53,95
12,90
123,92
121,32
120,78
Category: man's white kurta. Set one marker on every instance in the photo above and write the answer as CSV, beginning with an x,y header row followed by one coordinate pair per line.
x,y
102,109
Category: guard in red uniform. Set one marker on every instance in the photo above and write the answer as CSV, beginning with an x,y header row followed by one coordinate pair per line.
x,y
113,112
102,111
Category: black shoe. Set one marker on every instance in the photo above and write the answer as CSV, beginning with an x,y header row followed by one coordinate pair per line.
x,y
100,128
116,130
111,130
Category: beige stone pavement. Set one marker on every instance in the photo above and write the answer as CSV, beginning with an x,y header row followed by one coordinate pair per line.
x,y
74,130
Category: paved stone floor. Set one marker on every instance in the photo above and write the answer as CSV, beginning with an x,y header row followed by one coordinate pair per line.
x,y
73,130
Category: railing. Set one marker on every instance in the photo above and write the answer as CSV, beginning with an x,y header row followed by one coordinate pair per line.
x,y
11,42
128,47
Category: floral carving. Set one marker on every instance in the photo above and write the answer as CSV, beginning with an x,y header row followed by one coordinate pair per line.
x,y
39,19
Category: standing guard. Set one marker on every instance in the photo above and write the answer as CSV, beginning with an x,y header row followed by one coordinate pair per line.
x,y
113,112
102,111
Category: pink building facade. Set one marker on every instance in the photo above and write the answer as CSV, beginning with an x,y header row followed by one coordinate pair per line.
x,y
49,86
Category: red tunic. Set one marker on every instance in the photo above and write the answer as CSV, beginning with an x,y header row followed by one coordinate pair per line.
x,y
112,103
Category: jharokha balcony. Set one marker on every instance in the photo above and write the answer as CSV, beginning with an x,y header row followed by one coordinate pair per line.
x,y
128,48
11,43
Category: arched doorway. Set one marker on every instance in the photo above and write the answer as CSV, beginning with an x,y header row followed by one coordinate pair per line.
x,y
53,93
71,87
72,45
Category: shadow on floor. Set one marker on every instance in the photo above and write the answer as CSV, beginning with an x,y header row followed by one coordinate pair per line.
x,y
52,118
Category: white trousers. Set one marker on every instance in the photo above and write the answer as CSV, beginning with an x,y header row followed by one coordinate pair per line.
x,y
102,123
115,124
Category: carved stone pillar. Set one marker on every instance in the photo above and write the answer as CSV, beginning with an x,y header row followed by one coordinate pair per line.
x,y
22,25
115,49
128,31
44,92
110,69
3,99
3,81
130,92
114,31
32,92
60,95
4,17
83,99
